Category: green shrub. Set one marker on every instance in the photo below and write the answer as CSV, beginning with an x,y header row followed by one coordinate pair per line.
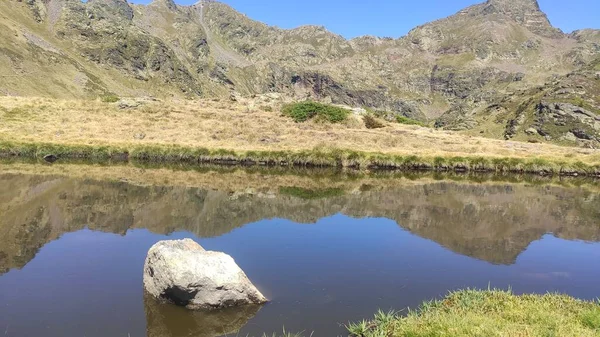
x,y
303,111
110,98
408,121
372,123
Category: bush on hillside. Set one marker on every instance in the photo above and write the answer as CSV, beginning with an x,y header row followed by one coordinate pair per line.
x,y
409,121
303,111
372,122
110,98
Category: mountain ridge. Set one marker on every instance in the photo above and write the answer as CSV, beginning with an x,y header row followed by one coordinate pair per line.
x,y
451,71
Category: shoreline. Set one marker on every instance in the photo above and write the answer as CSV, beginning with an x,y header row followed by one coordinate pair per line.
x,y
488,312
320,157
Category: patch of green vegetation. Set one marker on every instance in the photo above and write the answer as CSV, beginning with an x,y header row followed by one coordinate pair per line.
x,y
307,194
488,313
591,318
458,60
109,98
596,64
303,111
580,102
286,334
409,121
15,114
317,157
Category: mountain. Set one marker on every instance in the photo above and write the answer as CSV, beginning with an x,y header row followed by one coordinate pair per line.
x,y
499,68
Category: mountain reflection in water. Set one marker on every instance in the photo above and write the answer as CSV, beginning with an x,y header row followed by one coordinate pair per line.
x,y
494,223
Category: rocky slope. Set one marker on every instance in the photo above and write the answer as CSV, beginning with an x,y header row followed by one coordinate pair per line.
x,y
490,69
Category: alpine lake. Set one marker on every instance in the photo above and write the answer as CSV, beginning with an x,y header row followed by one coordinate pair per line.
x,y
325,247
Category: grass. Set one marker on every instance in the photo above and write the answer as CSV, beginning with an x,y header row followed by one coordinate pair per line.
x,y
392,116
226,132
409,121
372,123
110,98
15,114
287,334
488,313
303,111
316,157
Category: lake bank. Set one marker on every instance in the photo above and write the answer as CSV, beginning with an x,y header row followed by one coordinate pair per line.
x,y
240,133
489,313
322,157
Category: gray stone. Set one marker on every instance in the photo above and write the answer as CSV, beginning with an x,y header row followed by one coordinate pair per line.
x,y
129,103
50,158
139,136
183,273
569,136
581,134
531,131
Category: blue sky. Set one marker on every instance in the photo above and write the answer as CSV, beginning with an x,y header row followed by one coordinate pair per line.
x,y
392,18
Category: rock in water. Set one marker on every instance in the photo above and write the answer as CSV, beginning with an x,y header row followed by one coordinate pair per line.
x,y
183,273
50,158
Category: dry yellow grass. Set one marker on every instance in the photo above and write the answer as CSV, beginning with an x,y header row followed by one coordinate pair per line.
x,y
242,126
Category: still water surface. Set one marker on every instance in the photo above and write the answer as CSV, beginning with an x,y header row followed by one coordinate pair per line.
x,y
72,251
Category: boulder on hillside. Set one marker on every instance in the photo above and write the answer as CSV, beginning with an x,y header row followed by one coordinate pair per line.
x,y
183,273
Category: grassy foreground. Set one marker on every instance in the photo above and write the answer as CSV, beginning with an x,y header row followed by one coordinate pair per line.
x,y
471,313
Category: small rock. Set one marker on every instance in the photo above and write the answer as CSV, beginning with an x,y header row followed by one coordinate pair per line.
x,y
128,104
581,134
531,131
569,136
183,273
542,132
50,158
139,136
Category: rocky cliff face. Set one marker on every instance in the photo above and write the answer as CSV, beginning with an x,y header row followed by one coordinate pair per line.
x,y
454,70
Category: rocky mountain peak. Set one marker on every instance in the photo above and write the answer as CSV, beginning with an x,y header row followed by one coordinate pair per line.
x,y
527,5
117,7
170,4
525,12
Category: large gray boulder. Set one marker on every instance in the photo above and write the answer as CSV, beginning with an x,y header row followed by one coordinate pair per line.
x,y
183,273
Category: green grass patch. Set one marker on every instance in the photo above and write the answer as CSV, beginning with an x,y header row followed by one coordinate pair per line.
x,y
15,114
303,111
409,121
320,156
470,313
307,194
110,98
